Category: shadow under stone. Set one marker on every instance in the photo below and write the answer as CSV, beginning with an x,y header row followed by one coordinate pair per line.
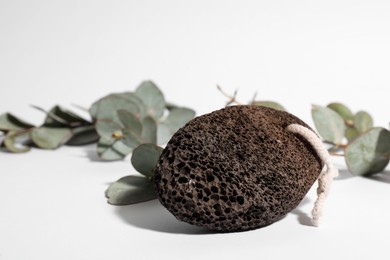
x,y
153,216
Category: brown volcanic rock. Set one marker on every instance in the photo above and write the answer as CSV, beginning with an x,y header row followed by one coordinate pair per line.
x,y
237,168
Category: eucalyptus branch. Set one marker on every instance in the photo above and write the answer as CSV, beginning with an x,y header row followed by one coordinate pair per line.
x,y
57,118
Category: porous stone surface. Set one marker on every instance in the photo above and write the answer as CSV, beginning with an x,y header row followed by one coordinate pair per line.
x,y
236,169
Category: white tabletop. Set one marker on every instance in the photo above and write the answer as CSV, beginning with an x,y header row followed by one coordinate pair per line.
x,y
295,52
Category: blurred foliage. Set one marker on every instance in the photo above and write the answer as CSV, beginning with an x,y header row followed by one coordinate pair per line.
x,y
139,122
119,123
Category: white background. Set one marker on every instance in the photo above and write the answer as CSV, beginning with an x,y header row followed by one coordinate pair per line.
x,y
299,53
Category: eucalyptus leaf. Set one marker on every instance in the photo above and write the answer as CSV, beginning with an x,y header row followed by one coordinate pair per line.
x,y
363,121
2,136
121,147
130,190
351,133
149,130
145,157
163,134
118,139
131,139
329,124
170,106
107,128
130,96
270,104
369,153
152,97
178,117
342,110
59,117
107,107
112,149
135,99
93,110
83,135
130,121
11,122
50,137
15,139
105,150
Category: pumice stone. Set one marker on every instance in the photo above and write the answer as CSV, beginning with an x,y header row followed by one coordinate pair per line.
x,y
240,168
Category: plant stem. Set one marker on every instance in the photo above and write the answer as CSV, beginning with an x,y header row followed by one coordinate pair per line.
x,y
232,99
334,144
336,154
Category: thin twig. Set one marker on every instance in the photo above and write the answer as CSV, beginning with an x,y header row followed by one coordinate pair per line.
x,y
334,144
336,154
232,99
254,98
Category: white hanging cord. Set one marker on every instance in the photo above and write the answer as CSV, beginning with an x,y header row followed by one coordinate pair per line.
x,y
326,177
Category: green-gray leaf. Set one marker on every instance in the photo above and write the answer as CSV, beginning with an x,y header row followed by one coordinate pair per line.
x,y
15,139
351,133
149,130
2,136
131,139
107,107
11,122
270,104
130,121
152,97
135,99
342,110
163,134
83,135
144,158
107,128
178,117
363,121
369,153
112,149
328,124
50,137
132,128
59,117
170,106
130,190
